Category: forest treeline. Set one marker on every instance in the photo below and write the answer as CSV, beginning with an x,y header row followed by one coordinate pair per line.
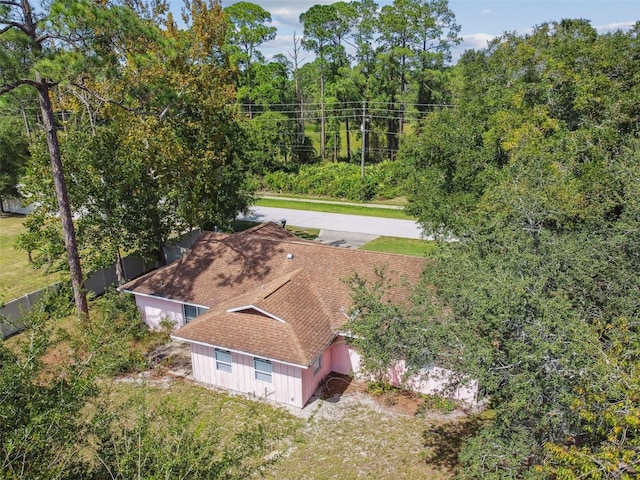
x,y
526,152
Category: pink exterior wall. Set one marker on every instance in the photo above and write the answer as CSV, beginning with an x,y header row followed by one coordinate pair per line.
x,y
434,382
286,380
154,310
310,380
344,358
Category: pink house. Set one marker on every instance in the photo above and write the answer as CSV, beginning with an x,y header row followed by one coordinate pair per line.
x,y
263,310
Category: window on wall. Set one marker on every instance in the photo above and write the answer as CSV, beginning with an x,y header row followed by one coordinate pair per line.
x,y
263,369
317,364
192,311
223,360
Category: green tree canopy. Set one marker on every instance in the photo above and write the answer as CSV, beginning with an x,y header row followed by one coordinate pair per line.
x,y
535,173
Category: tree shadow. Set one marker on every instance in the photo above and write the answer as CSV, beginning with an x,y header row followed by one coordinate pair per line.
x,y
443,442
218,261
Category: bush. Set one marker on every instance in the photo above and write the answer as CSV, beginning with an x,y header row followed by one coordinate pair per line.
x,y
380,388
115,336
339,180
436,403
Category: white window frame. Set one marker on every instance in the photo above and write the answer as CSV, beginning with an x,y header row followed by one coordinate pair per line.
x,y
317,364
223,363
263,374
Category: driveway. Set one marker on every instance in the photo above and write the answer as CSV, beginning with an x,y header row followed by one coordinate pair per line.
x,y
337,222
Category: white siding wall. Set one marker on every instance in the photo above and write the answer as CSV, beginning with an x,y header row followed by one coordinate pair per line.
x,y
285,387
154,310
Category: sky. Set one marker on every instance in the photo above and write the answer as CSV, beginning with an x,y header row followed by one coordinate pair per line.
x,y
480,20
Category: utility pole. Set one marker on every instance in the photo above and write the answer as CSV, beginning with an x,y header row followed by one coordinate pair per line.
x,y
363,129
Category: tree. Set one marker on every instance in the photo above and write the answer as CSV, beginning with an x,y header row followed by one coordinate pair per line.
x,y
134,444
56,424
41,407
324,27
13,155
212,184
165,157
416,37
248,29
534,299
31,57
43,48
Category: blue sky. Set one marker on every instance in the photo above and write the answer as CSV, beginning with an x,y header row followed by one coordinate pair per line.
x,y
481,20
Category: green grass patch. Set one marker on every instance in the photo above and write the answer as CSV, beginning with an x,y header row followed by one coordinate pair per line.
x,y
305,233
393,202
17,276
335,208
403,246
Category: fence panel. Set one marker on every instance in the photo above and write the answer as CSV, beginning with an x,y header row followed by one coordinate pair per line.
x,y
97,283
11,312
14,205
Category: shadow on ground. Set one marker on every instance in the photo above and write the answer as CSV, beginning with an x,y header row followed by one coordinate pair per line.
x,y
444,441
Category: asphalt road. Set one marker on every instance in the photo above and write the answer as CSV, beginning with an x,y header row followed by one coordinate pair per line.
x,y
339,222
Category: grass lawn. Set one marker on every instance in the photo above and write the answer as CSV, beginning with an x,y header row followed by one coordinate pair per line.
x,y
334,208
362,443
17,277
358,442
404,246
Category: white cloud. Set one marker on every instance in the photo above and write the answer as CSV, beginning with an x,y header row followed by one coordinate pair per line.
x,y
611,27
486,11
476,41
287,16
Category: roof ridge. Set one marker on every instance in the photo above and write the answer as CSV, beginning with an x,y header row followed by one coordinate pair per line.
x,y
253,229
321,300
293,334
294,240
277,283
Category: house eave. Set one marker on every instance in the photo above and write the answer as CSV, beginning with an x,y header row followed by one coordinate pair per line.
x,y
205,344
181,302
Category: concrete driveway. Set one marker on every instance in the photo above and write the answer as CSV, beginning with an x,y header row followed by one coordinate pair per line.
x,y
337,222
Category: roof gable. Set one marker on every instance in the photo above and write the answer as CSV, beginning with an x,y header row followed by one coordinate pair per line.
x,y
253,310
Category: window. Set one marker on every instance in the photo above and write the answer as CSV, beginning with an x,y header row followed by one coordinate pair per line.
x,y
263,369
317,364
191,312
223,360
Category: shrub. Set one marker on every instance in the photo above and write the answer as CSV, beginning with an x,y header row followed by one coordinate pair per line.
x,y
339,180
436,403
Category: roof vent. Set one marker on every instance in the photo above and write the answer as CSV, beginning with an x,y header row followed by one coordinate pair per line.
x,y
290,256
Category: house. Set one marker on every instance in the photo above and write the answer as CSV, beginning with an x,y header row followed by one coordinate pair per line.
x,y
264,310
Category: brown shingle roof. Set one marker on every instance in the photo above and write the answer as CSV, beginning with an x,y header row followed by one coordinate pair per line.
x,y
252,269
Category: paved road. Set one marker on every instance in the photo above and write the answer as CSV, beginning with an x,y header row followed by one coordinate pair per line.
x,y
389,227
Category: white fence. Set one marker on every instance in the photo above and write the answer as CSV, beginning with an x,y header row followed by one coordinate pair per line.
x,y
97,282
15,205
